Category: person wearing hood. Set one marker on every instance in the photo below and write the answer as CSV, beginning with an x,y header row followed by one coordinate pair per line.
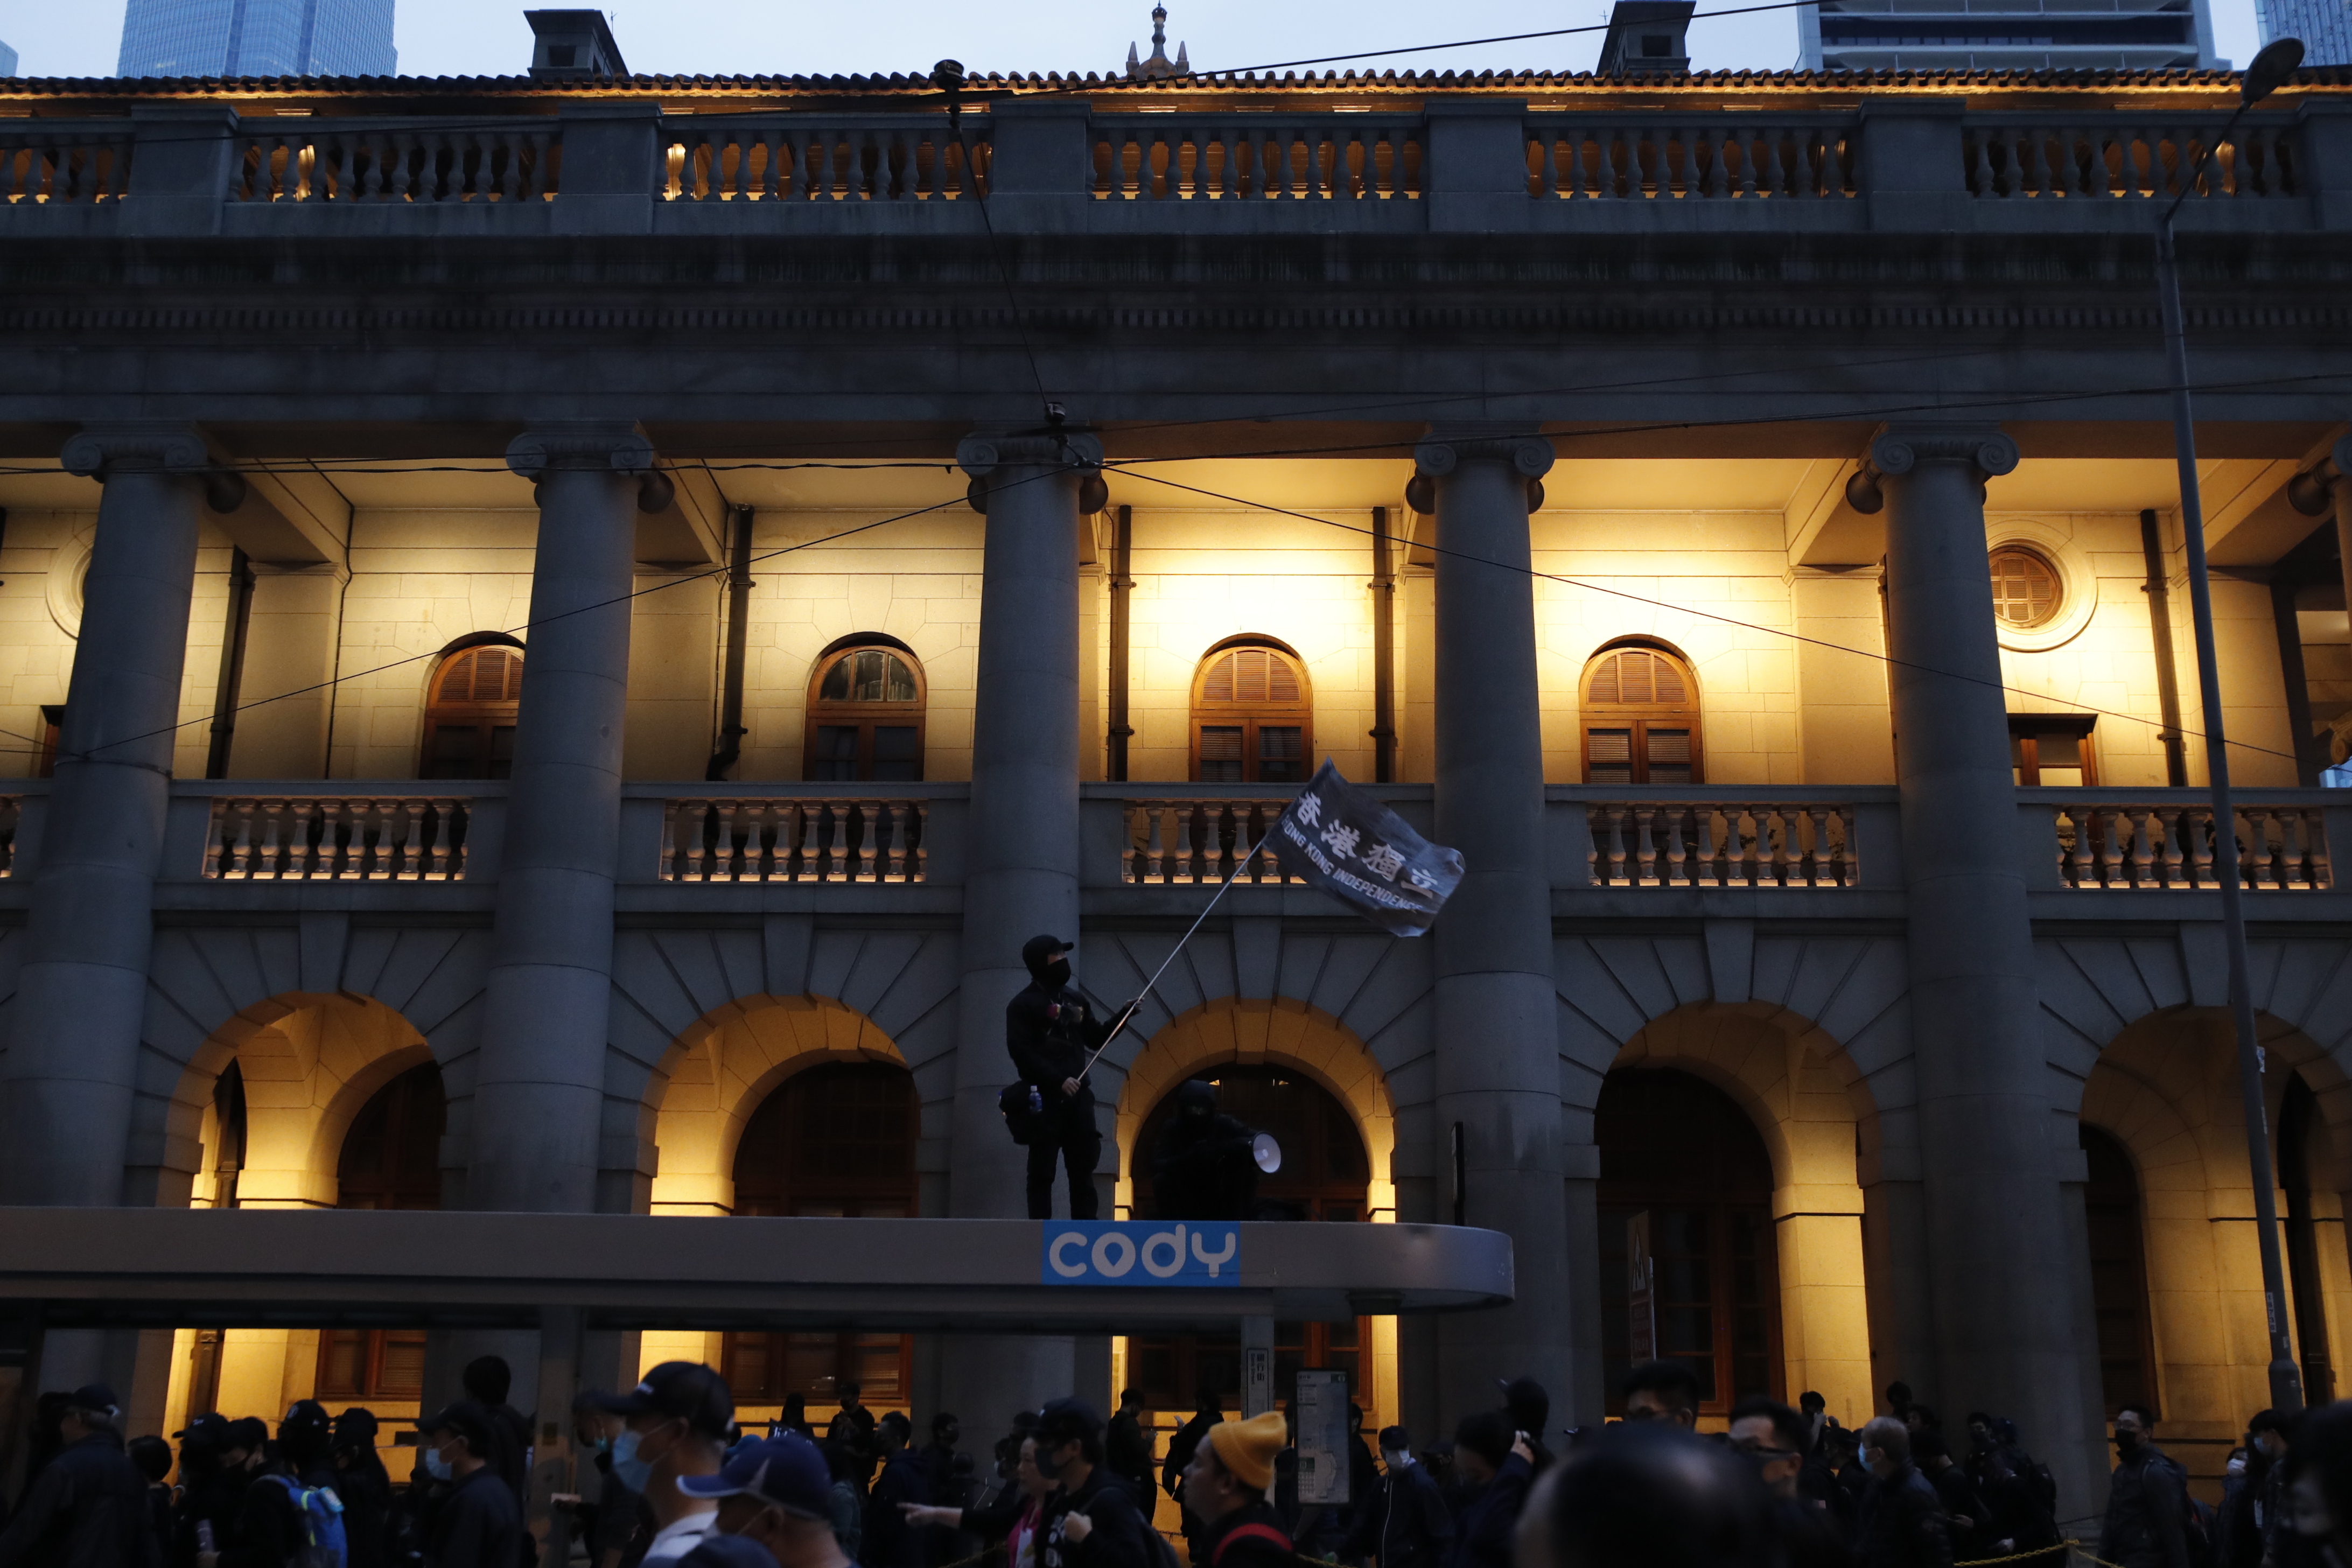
x,y
1203,1166
364,1488
1052,1032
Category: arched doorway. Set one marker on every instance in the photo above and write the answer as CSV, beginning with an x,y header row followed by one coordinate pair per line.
x,y
1326,1176
1680,1158
1640,717
833,1140
866,713
391,1160
1252,715
2111,1206
475,702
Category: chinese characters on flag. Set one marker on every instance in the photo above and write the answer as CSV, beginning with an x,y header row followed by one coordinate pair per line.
x,y
1349,845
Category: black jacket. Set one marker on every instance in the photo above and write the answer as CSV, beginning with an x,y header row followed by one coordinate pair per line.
x,y
1250,1537
476,1525
1051,1030
1127,1449
889,1540
87,1509
1482,1535
1961,1500
1407,1525
1809,1535
1119,1536
2147,1512
269,1524
1901,1524
213,1497
365,1492
1181,1447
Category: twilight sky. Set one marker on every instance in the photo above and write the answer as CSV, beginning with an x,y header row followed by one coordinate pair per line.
x,y
468,37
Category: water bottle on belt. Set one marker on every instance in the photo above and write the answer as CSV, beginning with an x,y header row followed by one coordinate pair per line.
x,y
1036,1100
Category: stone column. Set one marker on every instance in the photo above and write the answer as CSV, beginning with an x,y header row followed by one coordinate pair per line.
x,y
2341,492
1497,1045
66,1079
538,1095
1021,856
1996,1236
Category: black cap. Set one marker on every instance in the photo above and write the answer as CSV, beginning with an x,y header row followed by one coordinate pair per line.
x,y
306,1416
1039,951
95,1396
468,1420
210,1427
357,1425
679,1391
246,1432
1066,1418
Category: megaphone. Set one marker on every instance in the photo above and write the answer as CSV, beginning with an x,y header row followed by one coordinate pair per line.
x,y
1266,1153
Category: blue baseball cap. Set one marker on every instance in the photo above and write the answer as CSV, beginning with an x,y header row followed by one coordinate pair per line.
x,y
786,1472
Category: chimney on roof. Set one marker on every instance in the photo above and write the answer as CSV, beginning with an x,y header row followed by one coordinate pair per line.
x,y
572,46
1647,37
1159,68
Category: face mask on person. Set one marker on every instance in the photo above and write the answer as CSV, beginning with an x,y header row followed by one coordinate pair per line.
x,y
2126,1441
2237,1465
1394,1458
627,1469
1058,972
437,1466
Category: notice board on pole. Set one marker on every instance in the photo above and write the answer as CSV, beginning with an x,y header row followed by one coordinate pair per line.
x,y
1319,1408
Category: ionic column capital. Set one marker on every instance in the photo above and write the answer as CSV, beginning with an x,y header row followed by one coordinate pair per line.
x,y
1447,447
162,446
1899,448
988,449
600,445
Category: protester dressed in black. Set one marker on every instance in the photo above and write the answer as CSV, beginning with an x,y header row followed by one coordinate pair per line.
x,y
1406,1524
1052,1031
88,1507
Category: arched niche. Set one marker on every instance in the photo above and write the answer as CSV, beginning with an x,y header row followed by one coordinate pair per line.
x,y
721,1069
1813,1110
309,1062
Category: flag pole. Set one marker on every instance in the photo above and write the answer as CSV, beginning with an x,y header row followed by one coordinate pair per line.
x,y
1120,1024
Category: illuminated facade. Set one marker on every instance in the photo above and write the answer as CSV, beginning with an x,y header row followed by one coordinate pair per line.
x,y
674,660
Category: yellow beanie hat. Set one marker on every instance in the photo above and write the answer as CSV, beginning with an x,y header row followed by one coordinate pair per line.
x,y
1247,1448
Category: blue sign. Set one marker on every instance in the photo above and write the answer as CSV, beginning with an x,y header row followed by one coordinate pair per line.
x,y
1142,1252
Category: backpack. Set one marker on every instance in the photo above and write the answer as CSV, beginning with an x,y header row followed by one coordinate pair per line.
x,y
2202,1530
323,1544
1020,1120
1265,1533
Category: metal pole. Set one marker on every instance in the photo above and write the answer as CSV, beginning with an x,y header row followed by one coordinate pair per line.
x,y
2286,1384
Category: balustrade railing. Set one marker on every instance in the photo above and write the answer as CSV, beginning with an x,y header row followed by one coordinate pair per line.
x,y
45,164
306,161
1187,842
2281,849
787,159
2016,156
1711,844
772,839
412,838
1257,157
1581,158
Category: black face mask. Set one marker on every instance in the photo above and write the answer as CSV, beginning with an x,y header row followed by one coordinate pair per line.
x,y
1057,974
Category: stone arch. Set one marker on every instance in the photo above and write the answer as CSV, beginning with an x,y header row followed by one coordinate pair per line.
x,y
1813,1108
2165,1086
1231,1029
720,1068
310,1062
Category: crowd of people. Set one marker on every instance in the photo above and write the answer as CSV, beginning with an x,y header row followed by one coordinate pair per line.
x,y
675,1478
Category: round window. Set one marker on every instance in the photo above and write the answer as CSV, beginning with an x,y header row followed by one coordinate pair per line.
x,y
2025,588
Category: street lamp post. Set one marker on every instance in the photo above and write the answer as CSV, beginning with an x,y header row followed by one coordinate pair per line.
x,y
2270,69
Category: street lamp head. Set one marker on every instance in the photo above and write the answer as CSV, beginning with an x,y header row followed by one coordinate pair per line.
x,y
2269,69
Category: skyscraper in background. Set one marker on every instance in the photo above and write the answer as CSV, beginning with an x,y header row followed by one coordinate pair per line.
x,y
257,38
7,61
2324,25
2008,34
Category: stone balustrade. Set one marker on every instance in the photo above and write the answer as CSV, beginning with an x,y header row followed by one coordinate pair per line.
x,y
1201,838
805,158
2163,840
793,838
286,836
1722,841
1480,165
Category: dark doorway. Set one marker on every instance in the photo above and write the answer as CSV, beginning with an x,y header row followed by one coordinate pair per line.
x,y
1684,1154
2111,1208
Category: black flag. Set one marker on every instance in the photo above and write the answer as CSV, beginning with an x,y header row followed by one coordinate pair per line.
x,y
1356,849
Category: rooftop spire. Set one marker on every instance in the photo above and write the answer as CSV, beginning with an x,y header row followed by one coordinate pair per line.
x,y
1159,68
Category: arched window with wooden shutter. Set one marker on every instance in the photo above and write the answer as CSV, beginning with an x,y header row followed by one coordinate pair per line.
x,y
865,715
1640,717
469,717
1253,718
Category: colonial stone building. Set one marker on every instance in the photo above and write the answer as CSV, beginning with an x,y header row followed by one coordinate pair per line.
x,y
558,632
